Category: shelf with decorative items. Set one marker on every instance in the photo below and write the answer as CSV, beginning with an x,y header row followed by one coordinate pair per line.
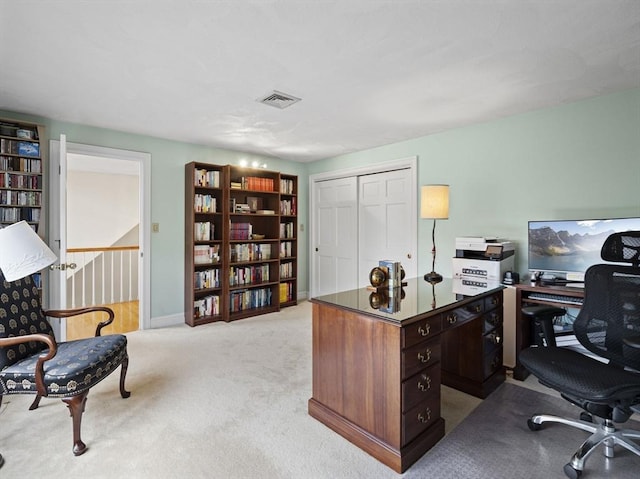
x,y
253,241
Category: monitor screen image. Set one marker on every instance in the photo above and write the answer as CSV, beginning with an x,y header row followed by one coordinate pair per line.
x,y
569,247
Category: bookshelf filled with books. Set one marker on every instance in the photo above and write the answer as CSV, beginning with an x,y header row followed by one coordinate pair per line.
x,y
288,241
250,237
22,169
204,234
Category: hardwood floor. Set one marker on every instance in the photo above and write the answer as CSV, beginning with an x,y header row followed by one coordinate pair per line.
x,y
84,326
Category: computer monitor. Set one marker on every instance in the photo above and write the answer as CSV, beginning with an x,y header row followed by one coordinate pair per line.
x,y
566,248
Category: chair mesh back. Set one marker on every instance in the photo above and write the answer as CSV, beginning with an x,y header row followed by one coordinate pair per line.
x,y
622,248
611,309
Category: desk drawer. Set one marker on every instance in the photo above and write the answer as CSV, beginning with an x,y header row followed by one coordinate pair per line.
x,y
492,340
492,362
417,388
421,331
492,320
493,301
463,314
420,356
420,418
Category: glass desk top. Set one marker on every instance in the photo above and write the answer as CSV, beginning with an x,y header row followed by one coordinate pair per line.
x,y
415,299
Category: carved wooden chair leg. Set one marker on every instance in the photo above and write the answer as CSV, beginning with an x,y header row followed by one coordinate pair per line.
x,y
76,407
35,403
123,372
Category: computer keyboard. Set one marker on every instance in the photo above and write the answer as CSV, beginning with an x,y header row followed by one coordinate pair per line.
x,y
557,298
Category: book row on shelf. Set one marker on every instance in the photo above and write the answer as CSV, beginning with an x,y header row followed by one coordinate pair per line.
x,y
287,186
20,198
286,292
288,207
287,270
286,249
17,180
207,279
253,183
204,204
240,231
250,252
207,306
206,254
250,299
241,276
24,165
287,230
207,178
203,231
13,215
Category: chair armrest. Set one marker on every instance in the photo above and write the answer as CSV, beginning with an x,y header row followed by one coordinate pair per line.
x,y
67,313
633,341
45,356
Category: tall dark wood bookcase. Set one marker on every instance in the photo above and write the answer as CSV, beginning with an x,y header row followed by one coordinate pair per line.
x,y
240,242
22,176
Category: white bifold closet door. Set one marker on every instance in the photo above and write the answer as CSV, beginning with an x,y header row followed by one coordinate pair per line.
x,y
359,220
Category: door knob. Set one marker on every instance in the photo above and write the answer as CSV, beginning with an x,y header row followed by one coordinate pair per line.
x,y
63,266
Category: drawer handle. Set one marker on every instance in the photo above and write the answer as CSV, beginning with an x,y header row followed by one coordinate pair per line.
x,y
426,357
424,330
452,318
495,301
495,339
494,319
426,385
425,416
477,308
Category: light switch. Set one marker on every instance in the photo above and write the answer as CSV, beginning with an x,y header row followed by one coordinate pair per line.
x,y
155,227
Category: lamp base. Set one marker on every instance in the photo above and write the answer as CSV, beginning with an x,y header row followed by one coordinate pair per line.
x,y
433,277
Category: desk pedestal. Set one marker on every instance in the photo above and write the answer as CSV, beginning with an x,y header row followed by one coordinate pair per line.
x,y
377,382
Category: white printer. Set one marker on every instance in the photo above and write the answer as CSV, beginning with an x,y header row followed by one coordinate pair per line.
x,y
482,258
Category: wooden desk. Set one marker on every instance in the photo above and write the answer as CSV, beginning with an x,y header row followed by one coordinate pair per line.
x,y
376,374
524,328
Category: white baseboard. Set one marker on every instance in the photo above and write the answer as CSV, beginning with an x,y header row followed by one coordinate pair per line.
x,y
167,321
178,319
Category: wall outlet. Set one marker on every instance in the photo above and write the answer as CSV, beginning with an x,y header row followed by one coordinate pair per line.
x,y
155,227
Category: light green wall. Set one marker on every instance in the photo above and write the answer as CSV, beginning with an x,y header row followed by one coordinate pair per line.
x,y
573,161
580,160
167,198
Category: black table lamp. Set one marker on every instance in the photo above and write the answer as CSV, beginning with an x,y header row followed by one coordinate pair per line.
x,y
434,204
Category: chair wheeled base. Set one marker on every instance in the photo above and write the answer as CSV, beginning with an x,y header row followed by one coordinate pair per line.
x,y
604,433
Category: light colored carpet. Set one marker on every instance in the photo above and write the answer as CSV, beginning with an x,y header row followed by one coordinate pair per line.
x,y
216,401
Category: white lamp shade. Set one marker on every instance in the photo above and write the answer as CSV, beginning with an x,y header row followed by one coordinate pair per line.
x,y
22,251
434,202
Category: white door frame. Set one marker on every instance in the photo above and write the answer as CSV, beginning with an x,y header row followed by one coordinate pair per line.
x,y
410,162
144,159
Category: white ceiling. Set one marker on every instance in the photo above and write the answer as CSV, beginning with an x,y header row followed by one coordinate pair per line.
x,y
369,72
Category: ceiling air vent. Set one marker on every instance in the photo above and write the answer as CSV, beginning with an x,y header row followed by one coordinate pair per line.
x,y
279,99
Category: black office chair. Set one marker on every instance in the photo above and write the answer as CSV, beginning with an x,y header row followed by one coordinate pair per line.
x,y
608,326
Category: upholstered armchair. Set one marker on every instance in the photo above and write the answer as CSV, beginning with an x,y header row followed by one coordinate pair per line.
x,y
31,360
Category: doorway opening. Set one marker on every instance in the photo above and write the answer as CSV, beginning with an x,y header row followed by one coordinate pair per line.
x,y
99,208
